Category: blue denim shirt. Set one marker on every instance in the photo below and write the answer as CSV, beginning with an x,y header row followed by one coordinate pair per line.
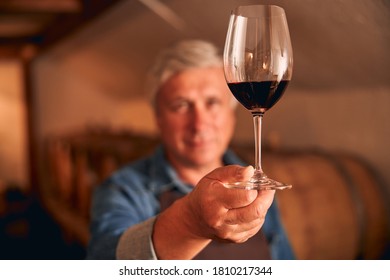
x,y
131,196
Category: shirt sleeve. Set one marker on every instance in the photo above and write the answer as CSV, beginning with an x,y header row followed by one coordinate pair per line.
x,y
136,242
120,209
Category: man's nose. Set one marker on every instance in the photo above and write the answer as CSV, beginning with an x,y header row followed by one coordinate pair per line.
x,y
199,117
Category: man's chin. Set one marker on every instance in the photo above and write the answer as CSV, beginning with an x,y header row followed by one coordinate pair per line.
x,y
200,159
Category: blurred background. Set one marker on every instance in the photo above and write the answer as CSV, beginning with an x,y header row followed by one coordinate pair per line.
x,y
73,108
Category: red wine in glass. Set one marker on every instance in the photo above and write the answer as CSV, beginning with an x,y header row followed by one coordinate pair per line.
x,y
258,95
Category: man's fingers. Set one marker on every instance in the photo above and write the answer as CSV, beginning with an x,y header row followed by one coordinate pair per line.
x,y
256,210
231,173
239,233
232,198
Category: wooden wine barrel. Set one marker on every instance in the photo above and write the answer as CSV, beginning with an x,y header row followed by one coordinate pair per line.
x,y
337,209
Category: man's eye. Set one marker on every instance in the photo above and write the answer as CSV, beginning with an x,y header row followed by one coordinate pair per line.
x,y
213,102
179,106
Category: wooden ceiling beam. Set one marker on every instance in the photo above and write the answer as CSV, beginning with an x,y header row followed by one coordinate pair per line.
x,y
8,52
20,51
45,31
67,24
41,6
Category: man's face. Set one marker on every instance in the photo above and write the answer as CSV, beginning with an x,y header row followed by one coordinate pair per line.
x,y
195,116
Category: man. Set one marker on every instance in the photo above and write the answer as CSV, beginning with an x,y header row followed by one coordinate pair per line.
x,y
172,204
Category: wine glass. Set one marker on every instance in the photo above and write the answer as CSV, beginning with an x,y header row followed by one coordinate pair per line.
x,y
258,67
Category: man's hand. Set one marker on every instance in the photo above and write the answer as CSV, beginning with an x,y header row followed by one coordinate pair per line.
x,y
211,212
232,215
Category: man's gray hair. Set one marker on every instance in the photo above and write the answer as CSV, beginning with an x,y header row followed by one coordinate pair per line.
x,y
179,57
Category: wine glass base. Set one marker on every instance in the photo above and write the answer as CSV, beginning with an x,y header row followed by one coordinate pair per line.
x,y
266,184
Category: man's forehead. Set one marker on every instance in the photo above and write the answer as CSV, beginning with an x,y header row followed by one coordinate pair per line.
x,y
201,92
202,83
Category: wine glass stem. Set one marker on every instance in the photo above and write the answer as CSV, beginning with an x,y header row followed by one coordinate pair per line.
x,y
257,122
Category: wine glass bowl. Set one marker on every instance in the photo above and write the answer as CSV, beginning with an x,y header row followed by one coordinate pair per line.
x,y
258,68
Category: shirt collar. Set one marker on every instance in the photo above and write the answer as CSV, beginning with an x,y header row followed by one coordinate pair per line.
x,y
164,177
